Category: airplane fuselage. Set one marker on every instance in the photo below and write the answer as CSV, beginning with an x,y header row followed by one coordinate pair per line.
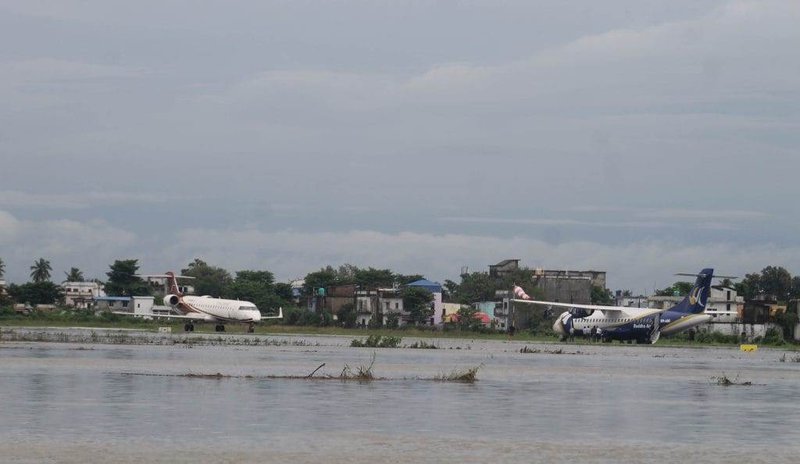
x,y
633,324
643,325
217,309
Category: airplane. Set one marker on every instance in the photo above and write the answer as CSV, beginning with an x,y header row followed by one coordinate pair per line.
x,y
643,325
207,309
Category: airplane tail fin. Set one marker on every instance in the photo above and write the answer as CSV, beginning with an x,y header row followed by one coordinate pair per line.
x,y
695,301
173,284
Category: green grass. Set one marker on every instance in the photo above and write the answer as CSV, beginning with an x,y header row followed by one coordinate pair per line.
x,y
84,319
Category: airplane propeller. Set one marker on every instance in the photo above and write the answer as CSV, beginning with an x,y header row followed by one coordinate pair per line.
x,y
688,274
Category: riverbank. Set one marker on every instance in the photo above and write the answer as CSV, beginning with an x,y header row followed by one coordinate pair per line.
x,y
278,335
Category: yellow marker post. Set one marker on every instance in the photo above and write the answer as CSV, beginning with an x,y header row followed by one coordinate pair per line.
x,y
748,348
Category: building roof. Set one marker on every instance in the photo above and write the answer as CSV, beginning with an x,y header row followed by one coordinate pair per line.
x,y
433,287
113,298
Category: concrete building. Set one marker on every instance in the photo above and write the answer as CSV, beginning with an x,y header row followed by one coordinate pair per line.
x,y
135,305
567,286
160,285
385,303
503,268
436,289
331,299
81,295
630,301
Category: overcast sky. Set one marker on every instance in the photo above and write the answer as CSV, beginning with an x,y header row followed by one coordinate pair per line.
x,y
638,137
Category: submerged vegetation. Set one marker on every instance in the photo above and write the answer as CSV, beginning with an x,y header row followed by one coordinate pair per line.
x,y
361,373
726,381
377,341
468,375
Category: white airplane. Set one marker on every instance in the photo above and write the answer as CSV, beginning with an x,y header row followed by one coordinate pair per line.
x,y
207,309
644,325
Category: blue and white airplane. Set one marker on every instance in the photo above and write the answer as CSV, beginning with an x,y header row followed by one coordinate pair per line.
x,y
643,325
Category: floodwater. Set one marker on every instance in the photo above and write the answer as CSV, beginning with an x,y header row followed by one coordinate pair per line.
x,y
62,402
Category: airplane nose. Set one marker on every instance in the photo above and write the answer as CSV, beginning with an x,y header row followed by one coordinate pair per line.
x,y
256,316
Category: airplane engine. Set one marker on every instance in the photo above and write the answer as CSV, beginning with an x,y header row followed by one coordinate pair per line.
x,y
171,300
563,324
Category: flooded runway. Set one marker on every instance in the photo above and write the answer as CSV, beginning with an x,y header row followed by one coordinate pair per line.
x,y
65,402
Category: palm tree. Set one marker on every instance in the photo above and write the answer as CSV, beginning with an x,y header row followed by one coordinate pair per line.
x,y
40,271
74,275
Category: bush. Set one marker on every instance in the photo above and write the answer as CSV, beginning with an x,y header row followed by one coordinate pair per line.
x,y
773,336
377,341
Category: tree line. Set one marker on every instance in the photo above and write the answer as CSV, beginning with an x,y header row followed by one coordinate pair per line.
x,y
259,286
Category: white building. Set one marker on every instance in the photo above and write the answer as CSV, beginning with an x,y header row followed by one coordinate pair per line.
x,y
81,294
725,305
135,305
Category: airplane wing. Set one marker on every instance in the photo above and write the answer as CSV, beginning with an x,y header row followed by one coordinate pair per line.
x,y
605,309
197,317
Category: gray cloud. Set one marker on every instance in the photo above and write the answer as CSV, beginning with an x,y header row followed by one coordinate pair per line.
x,y
621,123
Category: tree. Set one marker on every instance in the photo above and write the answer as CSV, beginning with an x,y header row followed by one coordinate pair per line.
x,y
74,275
773,281
348,315
467,319
34,293
417,301
405,279
257,287
601,296
476,286
449,290
40,271
372,278
284,291
123,281
795,287
750,286
208,280
323,278
776,281
2,268
677,289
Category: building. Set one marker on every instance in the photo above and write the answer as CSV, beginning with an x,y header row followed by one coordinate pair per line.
x,y
503,268
160,285
630,301
81,295
386,303
568,286
724,304
436,289
135,305
331,299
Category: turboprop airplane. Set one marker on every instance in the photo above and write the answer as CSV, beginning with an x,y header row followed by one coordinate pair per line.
x,y
643,325
207,309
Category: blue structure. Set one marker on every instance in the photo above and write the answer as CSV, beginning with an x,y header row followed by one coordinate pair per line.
x,y
433,287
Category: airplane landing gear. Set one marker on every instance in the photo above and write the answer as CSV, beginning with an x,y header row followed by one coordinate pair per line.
x,y
188,327
251,328
219,328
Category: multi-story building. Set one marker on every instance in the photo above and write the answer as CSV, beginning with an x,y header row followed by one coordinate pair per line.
x,y
385,303
81,295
